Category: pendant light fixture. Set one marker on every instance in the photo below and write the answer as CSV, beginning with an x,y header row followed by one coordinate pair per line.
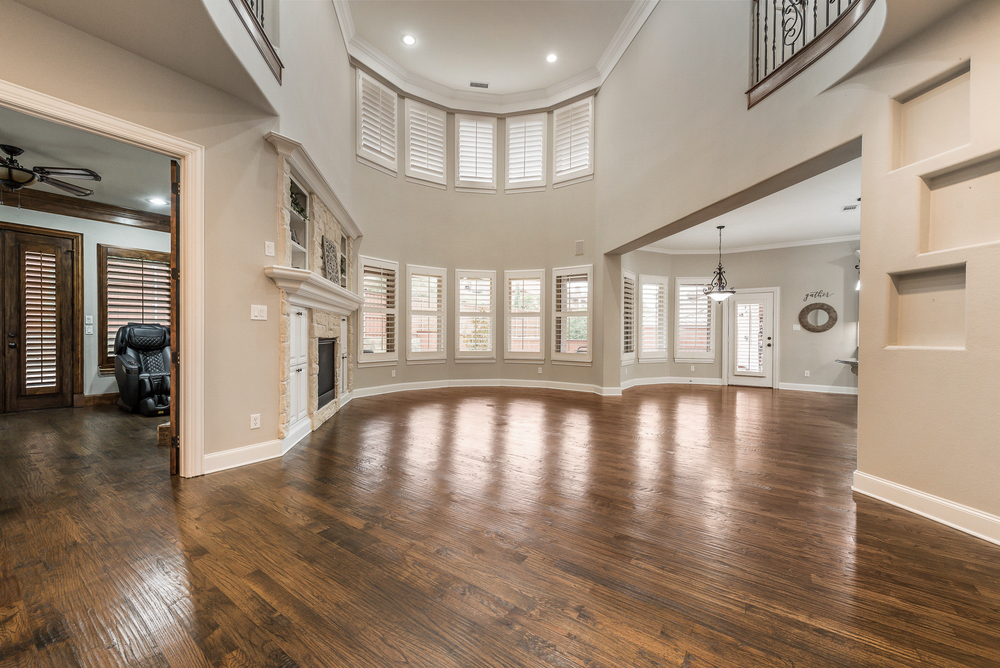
x,y
718,289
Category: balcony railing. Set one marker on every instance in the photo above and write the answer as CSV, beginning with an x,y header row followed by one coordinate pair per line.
x,y
789,35
251,13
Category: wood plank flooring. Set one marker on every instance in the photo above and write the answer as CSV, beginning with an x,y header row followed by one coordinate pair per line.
x,y
467,528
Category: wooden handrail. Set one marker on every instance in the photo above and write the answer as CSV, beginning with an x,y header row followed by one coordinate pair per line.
x,y
255,27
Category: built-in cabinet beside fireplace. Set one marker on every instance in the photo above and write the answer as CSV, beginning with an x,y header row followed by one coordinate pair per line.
x,y
298,376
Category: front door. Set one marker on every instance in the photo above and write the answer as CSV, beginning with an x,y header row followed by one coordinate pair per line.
x,y
751,339
36,287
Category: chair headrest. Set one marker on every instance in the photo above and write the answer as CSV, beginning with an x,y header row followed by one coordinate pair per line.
x,y
142,337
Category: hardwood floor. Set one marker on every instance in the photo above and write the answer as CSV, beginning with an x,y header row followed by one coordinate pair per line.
x,y
675,526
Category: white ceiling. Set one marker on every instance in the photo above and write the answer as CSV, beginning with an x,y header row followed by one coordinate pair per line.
x,y
499,42
807,213
129,175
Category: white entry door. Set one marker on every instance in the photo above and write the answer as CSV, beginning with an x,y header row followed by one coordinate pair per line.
x,y
751,339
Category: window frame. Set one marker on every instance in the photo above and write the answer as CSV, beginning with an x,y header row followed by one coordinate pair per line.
x,y
378,160
580,174
628,356
520,355
693,356
434,356
105,361
478,355
536,185
585,359
420,175
463,185
386,358
653,355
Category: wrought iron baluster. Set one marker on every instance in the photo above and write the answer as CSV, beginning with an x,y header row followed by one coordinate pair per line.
x,y
763,7
774,40
756,41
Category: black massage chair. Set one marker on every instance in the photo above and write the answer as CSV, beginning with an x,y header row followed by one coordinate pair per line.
x,y
142,368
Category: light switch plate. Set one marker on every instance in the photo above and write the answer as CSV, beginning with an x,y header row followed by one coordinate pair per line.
x,y
88,329
88,320
258,312
269,248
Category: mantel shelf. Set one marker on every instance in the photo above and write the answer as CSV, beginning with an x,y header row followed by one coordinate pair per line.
x,y
309,289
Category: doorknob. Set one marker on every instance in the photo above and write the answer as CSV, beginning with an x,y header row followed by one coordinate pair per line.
x,y
12,344
769,345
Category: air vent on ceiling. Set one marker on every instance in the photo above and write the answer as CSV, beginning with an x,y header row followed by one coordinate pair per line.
x,y
479,84
851,207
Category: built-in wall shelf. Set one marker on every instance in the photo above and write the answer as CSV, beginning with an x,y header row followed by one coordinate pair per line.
x,y
309,289
298,226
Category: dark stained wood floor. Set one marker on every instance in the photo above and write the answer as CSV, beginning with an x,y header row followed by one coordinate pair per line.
x,y
675,526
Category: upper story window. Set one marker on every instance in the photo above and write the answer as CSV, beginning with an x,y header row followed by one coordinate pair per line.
x,y
526,153
376,118
653,318
427,313
695,336
425,141
628,317
378,310
475,304
524,308
475,153
572,315
573,128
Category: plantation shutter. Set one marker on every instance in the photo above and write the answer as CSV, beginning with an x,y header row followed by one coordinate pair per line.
x,y
628,316
475,313
41,321
136,289
694,322
376,122
476,141
526,151
378,330
574,129
571,318
750,337
524,315
425,128
653,339
427,315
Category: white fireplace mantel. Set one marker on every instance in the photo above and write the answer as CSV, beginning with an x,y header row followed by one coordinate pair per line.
x,y
309,289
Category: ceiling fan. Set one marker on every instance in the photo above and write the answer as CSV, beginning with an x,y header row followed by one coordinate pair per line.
x,y
14,177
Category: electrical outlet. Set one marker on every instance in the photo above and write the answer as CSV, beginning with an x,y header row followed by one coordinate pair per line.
x,y
258,312
539,369
255,421
269,248
692,367
796,328
393,373
88,329
807,374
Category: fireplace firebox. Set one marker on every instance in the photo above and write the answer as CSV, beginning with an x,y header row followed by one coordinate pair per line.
x,y
327,381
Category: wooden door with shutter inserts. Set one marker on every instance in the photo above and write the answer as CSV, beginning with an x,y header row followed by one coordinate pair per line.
x,y
36,282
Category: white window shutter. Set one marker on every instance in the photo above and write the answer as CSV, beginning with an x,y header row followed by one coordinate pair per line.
x,y
652,337
475,146
524,300
427,313
425,141
574,141
695,338
628,317
526,152
572,320
376,123
378,311
476,307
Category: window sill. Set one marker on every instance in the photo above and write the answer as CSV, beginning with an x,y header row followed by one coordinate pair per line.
x,y
375,363
654,360
526,189
682,360
628,362
473,189
475,360
424,182
524,360
572,363
427,361
375,165
573,181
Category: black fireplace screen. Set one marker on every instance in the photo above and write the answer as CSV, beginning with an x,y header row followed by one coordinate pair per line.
x,y
327,383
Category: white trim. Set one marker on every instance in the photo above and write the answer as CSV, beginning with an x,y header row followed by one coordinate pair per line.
x,y
345,399
955,515
750,249
296,433
192,244
308,172
573,182
248,454
460,100
483,382
670,380
829,389
307,288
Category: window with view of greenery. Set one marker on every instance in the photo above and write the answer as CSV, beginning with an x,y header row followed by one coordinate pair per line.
x,y
525,304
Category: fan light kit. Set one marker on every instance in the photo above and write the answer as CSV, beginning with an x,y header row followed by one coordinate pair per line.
x,y
13,176
718,290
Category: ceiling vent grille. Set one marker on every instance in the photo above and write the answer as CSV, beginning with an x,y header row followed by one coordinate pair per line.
x,y
851,207
479,84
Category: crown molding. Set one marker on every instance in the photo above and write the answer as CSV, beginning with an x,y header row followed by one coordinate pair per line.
x,y
365,55
750,249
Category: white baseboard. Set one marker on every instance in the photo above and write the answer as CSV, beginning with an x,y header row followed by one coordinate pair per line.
x,y
828,389
345,399
482,382
296,433
971,521
248,454
669,380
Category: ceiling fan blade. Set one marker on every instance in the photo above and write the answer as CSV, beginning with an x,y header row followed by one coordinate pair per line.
x,y
68,187
68,172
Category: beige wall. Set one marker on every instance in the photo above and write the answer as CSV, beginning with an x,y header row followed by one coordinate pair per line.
x,y
797,272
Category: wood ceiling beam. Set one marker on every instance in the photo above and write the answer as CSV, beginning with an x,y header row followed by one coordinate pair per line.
x,y
75,207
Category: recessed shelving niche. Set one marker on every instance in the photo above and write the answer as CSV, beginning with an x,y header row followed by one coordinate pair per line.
x,y
934,117
298,226
927,308
962,205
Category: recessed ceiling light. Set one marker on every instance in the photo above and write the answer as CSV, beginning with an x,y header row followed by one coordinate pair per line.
x,y
409,40
551,58
158,201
